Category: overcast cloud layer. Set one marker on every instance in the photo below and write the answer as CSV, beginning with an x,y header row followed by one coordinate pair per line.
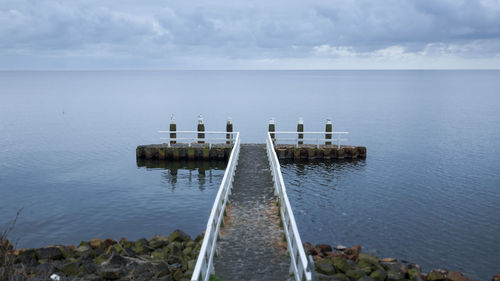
x,y
229,34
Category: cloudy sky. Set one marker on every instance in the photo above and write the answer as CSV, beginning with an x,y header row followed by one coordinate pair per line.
x,y
252,34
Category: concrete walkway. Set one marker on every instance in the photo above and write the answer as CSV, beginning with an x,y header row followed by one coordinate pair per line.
x,y
251,246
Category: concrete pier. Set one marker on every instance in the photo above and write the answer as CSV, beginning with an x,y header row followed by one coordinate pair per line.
x,y
309,151
251,246
181,151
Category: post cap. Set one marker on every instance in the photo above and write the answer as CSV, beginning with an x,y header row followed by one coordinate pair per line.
x,y
301,120
229,120
172,119
200,119
329,120
271,121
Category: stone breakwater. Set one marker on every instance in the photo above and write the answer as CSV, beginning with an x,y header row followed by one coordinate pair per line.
x,y
347,264
159,258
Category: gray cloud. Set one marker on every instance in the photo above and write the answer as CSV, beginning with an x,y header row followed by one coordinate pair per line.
x,y
225,34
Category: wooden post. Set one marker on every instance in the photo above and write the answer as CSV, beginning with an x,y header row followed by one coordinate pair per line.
x,y
229,130
272,129
173,128
300,128
201,128
328,129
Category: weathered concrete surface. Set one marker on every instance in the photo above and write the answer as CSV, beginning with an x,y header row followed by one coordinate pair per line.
x,y
308,151
181,151
251,246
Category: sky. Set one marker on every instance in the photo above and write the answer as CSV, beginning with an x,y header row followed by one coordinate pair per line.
x,y
252,34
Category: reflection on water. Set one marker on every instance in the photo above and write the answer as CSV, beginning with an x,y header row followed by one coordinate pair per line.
x,y
202,170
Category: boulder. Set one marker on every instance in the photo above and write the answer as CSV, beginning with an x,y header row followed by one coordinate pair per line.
x,y
112,273
340,277
342,265
324,248
310,249
96,243
353,253
108,243
496,277
158,241
456,276
179,236
436,275
70,269
115,260
355,274
50,253
378,275
325,267
367,257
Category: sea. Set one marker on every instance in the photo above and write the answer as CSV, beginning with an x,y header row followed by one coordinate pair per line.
x,y
427,193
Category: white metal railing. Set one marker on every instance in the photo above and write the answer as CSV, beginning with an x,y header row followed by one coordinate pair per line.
x,y
301,267
205,262
230,136
318,140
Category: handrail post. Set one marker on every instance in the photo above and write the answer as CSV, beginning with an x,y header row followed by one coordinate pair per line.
x,y
272,129
201,128
328,130
229,130
173,128
300,128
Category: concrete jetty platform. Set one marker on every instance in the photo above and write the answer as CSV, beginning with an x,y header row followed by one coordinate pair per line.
x,y
251,246
181,151
309,151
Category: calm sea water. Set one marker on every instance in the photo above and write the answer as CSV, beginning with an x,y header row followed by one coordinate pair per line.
x,y
428,191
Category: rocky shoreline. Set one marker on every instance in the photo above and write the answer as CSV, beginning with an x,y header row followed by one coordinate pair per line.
x,y
347,264
159,258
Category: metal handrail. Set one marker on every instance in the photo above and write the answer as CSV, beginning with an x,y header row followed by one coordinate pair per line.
x,y
230,136
205,262
317,140
300,266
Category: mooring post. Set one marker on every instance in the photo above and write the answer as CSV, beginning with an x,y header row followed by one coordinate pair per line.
x,y
300,128
272,129
328,129
229,130
173,128
201,128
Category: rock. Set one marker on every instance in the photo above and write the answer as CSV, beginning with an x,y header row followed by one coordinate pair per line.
x,y
342,265
175,247
340,277
325,266
353,253
96,243
89,267
115,260
324,277
378,275
340,248
496,277
108,242
415,273
160,254
436,275
179,236
395,276
112,273
367,257
388,260
178,275
158,241
162,269
324,248
456,276
355,274
70,269
309,249
365,278
50,253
